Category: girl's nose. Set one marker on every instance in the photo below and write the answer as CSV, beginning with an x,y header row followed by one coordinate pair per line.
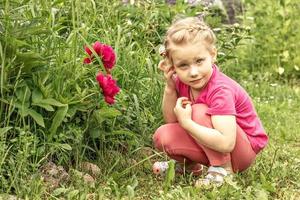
x,y
194,71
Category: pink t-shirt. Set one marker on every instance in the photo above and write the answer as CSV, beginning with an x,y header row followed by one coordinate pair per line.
x,y
224,96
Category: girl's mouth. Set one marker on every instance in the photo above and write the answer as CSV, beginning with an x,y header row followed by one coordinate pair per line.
x,y
196,81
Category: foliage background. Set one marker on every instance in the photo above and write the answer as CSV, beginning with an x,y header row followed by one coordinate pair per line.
x,y
51,107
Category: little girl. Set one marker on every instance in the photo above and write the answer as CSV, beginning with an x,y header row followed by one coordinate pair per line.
x,y
210,119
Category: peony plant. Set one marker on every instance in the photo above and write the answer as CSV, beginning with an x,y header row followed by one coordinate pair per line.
x,y
106,82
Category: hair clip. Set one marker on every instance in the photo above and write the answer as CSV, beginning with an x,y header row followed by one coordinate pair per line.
x,y
162,50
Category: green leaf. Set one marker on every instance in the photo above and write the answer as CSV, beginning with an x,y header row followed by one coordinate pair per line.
x,y
106,113
66,147
23,94
123,132
261,194
267,185
37,117
52,102
109,112
170,175
4,130
29,60
130,191
45,106
58,118
22,108
72,111
28,56
73,194
59,191
36,96
95,133
37,99
19,43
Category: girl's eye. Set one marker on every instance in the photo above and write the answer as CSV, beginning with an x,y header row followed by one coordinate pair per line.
x,y
200,60
183,65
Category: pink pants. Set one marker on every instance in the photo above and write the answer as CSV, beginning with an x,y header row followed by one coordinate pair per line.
x,y
179,145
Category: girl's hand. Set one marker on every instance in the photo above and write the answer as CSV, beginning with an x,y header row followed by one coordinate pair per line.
x,y
183,110
169,71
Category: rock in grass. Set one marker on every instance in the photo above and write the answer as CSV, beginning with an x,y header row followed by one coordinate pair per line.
x,y
53,175
50,182
91,168
8,197
51,169
87,179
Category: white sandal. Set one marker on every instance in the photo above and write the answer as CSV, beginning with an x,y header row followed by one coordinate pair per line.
x,y
215,176
160,168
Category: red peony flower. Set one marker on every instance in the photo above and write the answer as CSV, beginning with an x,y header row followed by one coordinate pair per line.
x,y
108,56
109,100
106,82
105,52
109,87
97,47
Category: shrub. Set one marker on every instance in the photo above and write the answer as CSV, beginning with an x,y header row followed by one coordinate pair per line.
x,y
274,44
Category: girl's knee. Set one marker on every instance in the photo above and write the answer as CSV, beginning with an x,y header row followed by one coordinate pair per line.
x,y
156,138
163,137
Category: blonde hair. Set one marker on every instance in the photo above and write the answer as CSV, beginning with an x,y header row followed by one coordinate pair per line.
x,y
186,30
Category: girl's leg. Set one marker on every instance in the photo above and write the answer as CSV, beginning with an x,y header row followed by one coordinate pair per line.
x,y
178,144
242,155
215,158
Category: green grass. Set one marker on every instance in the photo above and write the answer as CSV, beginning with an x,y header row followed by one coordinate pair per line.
x,y
41,51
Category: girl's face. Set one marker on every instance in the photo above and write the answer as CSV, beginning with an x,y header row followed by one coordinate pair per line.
x,y
193,63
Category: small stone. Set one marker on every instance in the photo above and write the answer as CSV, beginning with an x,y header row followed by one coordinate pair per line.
x,y
49,168
52,172
51,183
63,175
53,175
8,197
91,168
88,179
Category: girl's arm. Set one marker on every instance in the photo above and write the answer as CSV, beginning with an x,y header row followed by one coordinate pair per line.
x,y
170,94
221,138
168,104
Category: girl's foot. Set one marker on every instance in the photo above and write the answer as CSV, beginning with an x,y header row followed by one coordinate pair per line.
x,y
215,176
161,168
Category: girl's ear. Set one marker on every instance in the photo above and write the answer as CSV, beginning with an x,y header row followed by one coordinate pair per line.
x,y
214,53
162,65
